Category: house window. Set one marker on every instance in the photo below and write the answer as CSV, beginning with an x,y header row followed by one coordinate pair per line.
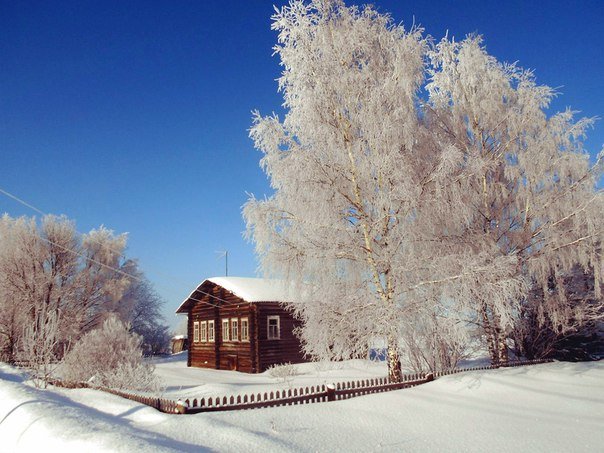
x,y
273,328
245,330
204,331
211,331
225,330
234,329
195,331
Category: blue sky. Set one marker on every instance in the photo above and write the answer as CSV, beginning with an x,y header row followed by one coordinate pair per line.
x,y
134,115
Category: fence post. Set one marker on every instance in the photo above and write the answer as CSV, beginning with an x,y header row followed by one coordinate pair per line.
x,y
331,392
181,407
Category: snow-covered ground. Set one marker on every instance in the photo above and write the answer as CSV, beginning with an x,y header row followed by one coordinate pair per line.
x,y
551,407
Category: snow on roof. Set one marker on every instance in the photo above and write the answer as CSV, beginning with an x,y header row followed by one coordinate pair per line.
x,y
249,289
255,289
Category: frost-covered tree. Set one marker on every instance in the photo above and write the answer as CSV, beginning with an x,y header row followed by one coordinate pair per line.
x,y
39,345
140,307
343,166
529,211
409,175
110,356
50,269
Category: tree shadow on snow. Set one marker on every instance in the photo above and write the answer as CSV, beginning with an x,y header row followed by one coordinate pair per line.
x,y
82,415
12,377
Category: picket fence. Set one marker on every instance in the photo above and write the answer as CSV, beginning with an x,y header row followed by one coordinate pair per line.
x,y
301,395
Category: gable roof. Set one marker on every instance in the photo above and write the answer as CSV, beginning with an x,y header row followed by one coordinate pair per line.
x,y
252,290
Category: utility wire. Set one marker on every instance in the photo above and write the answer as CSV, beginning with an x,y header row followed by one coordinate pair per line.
x,y
39,211
24,203
115,269
126,274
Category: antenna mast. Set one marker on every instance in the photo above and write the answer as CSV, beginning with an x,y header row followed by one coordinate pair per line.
x,y
225,253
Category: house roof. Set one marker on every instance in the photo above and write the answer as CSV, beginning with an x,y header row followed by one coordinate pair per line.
x,y
252,290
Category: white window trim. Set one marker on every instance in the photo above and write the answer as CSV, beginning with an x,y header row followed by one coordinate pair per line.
x,y
247,338
233,336
226,336
203,331
211,329
268,327
196,332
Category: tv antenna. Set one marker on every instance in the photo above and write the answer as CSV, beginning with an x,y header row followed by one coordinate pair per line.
x,y
225,254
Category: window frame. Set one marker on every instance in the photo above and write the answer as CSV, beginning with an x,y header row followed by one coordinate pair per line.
x,y
195,331
203,331
211,330
226,334
268,327
234,329
247,329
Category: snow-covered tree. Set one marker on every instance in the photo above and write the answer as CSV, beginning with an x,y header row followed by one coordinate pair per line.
x,y
39,345
110,356
49,269
140,307
530,208
343,167
409,175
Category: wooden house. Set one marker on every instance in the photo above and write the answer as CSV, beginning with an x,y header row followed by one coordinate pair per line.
x,y
237,323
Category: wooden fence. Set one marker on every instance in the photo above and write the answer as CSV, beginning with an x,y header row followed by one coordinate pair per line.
x,y
301,395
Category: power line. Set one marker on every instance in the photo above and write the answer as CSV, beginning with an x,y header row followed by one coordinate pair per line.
x,y
115,269
126,274
24,203
39,211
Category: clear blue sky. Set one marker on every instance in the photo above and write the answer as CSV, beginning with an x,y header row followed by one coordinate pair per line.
x,y
135,114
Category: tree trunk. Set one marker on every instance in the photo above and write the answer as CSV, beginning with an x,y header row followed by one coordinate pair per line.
x,y
502,347
395,373
500,338
491,336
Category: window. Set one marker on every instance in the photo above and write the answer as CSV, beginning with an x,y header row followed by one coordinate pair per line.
x,y
225,330
245,330
234,329
204,331
210,330
273,328
195,331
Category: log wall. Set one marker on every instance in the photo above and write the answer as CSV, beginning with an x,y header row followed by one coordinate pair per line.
x,y
287,349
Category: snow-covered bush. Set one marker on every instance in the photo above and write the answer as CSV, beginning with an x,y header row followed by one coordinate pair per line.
x,y
284,373
110,356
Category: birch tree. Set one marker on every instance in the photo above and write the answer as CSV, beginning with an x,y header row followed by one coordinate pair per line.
x,y
343,164
409,175
531,207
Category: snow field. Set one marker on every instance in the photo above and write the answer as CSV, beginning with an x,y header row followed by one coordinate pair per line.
x,y
550,408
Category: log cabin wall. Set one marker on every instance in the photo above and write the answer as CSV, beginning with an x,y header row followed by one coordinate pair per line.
x,y
212,303
277,351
